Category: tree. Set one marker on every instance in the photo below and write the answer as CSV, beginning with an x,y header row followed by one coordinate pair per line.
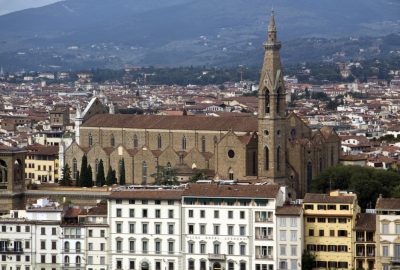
x,y
113,177
109,179
122,172
66,179
100,178
366,182
307,260
77,179
84,172
198,176
165,176
89,181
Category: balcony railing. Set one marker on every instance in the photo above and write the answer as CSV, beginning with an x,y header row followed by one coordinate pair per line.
x,y
263,219
264,257
395,260
218,257
11,250
264,237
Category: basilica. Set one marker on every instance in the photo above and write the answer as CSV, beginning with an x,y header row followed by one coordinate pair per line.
x,y
272,146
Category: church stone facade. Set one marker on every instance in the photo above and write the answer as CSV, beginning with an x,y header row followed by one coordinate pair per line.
x,y
271,146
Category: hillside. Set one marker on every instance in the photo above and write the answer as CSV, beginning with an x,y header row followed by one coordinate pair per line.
x,y
85,33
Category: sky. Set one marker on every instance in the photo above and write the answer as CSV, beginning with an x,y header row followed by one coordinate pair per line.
x,y
7,6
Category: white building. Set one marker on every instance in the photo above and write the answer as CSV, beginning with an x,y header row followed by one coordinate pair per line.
x,y
199,226
290,236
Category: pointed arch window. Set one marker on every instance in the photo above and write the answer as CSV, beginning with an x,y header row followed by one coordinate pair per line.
x,y
267,101
96,166
231,174
135,141
112,140
184,142
74,168
159,141
90,139
266,150
144,172
278,100
309,175
203,144
278,158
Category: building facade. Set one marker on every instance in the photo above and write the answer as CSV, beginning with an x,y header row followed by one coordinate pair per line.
x,y
329,222
271,145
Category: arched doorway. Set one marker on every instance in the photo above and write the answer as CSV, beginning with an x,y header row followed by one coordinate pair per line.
x,y
145,266
216,266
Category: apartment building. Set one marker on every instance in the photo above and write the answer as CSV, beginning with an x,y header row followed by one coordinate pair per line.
x,y
365,246
145,229
388,233
329,221
289,236
41,164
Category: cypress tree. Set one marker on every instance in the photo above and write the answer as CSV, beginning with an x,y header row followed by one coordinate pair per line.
x,y
66,179
109,178
84,172
114,177
122,172
77,182
89,181
100,179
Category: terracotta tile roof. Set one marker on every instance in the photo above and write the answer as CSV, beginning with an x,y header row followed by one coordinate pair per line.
x,y
388,203
289,210
153,194
72,212
42,150
359,157
235,191
366,222
325,198
99,210
245,124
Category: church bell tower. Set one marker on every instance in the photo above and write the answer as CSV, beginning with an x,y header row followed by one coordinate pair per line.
x,y
272,112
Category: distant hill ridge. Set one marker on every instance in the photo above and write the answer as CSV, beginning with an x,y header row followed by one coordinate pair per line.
x,y
171,32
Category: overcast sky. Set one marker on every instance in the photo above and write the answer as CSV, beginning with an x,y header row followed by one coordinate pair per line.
x,y
7,6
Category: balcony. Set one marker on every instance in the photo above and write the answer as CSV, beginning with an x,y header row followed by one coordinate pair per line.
x,y
11,250
263,219
264,237
216,257
264,257
395,260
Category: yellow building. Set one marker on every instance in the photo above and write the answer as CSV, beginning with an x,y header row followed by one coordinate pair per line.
x,y
329,221
41,164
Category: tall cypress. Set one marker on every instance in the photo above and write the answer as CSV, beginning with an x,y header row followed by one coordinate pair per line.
x,y
84,172
100,179
109,179
89,181
122,172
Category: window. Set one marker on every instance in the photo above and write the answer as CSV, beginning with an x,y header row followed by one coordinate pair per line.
x,y
202,248
216,214
132,246
385,251
282,235
231,266
171,247
282,222
310,232
293,222
397,228
321,220
135,141
159,141
131,265
202,213
293,250
342,233
90,233
190,213
216,248
344,207
157,228
203,144
112,140
191,229
282,250
230,248
53,245
145,228
332,233
242,230
202,229
309,207
282,265
190,247
118,245
230,229
145,246
242,215
216,229
266,165
43,258
42,231
53,259
184,143
158,246
144,172
331,220
170,213
230,214
321,233
90,246
42,244
119,212
171,228
119,227
278,158
385,228
131,212
144,213
242,266
293,235
66,246
119,264
242,249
